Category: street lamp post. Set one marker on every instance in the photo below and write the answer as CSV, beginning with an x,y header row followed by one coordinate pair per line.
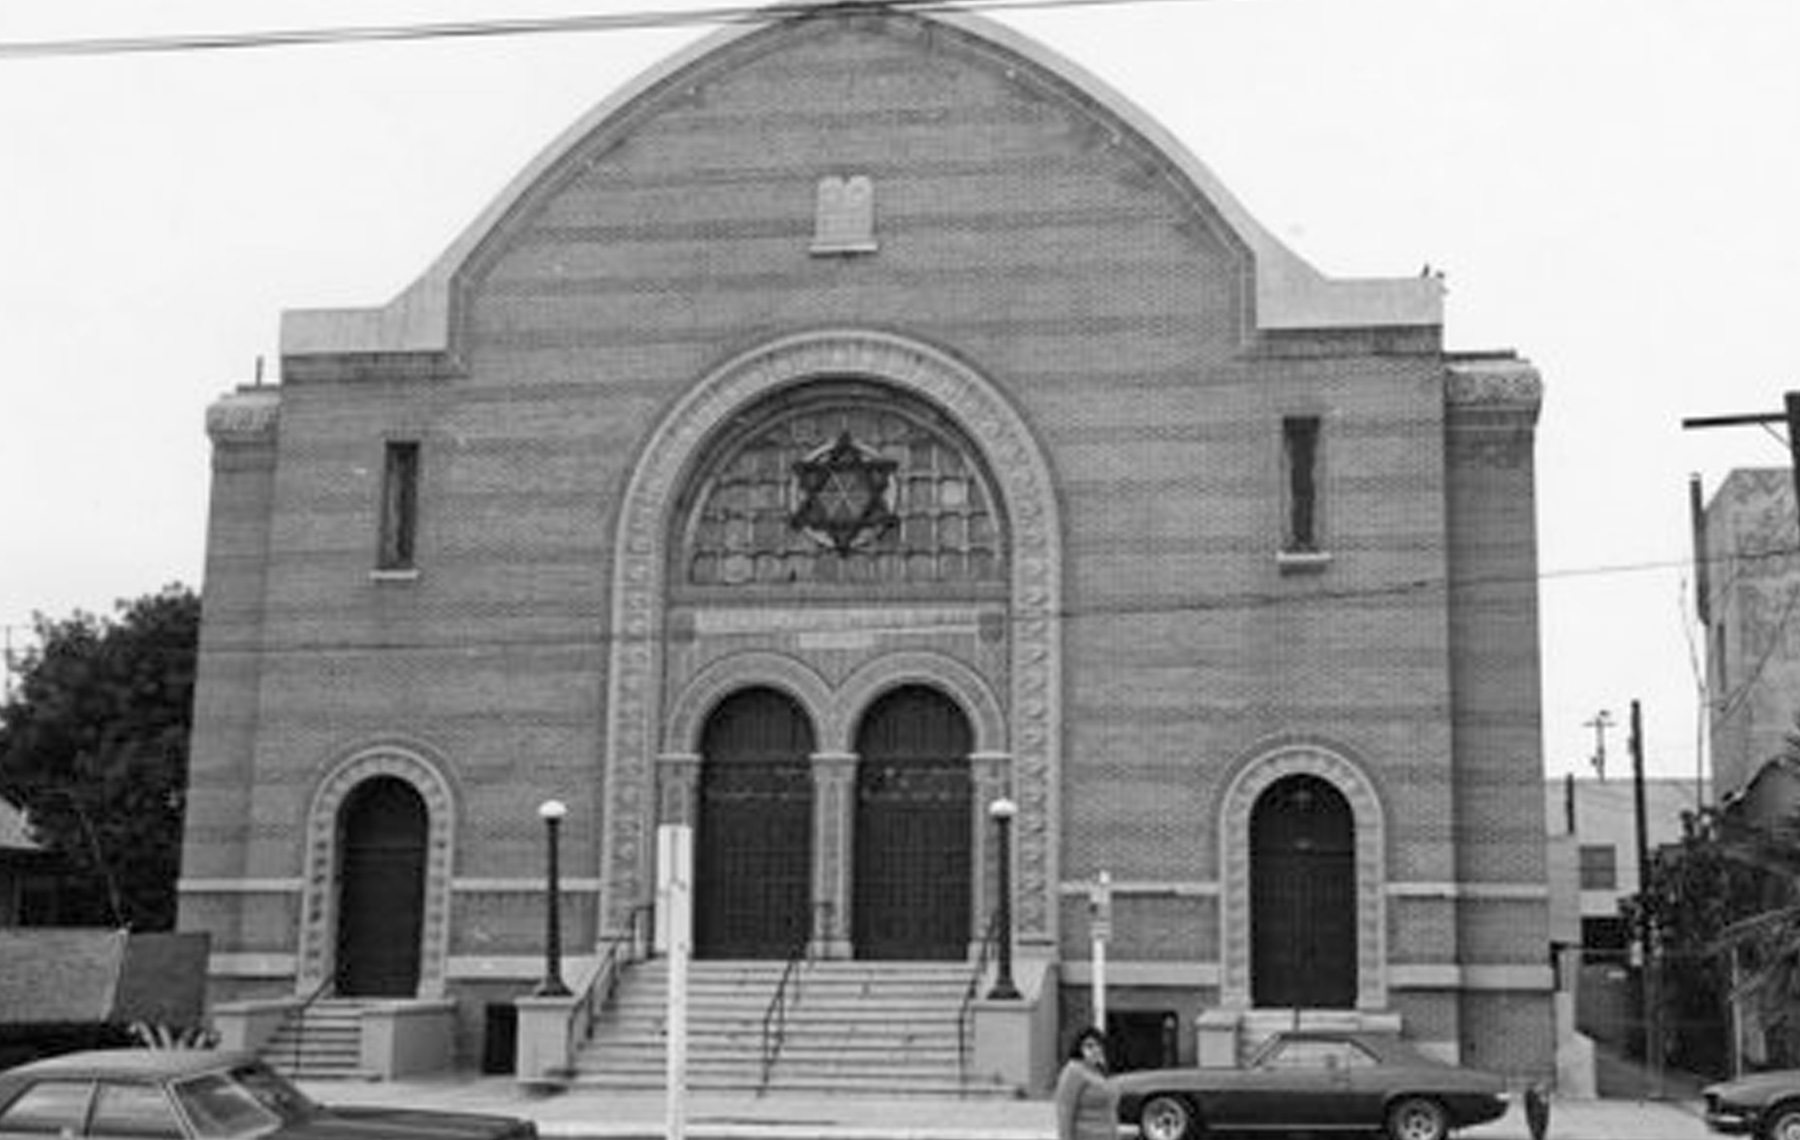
x,y
552,812
1002,810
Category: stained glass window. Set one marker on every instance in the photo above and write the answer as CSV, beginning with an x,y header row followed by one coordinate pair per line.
x,y
844,492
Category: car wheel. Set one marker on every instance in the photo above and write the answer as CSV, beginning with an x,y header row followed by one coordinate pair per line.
x,y
1783,1123
1166,1118
1417,1118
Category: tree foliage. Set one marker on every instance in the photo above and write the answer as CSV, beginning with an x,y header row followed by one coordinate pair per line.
x,y
93,746
1722,906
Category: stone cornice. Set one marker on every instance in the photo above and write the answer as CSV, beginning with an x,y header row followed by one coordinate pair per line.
x,y
248,415
1498,383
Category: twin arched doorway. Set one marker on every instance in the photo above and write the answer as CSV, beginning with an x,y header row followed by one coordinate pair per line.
x,y
912,851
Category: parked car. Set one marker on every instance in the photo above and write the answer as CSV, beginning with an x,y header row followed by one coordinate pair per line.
x,y
1315,1081
191,1094
1761,1104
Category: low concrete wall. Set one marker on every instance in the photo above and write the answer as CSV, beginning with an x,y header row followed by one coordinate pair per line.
x,y
551,1029
404,1038
1015,1040
248,1025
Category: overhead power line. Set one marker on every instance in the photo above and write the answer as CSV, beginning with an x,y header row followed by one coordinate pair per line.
x,y
592,635
338,35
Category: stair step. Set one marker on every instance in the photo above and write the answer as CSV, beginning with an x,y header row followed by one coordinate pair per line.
x,y
848,1028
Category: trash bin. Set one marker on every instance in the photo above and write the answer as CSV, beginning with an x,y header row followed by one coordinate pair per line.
x,y
500,1038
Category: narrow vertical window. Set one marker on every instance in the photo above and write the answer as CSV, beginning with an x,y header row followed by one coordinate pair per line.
x,y
1300,453
399,505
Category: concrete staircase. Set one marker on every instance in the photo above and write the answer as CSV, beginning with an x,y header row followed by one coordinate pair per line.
x,y
875,1028
326,1042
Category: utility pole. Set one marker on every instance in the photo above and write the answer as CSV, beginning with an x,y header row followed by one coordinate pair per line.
x,y
1646,927
1600,723
1790,415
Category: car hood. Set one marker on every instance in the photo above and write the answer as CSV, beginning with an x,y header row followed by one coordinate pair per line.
x,y
1757,1086
403,1124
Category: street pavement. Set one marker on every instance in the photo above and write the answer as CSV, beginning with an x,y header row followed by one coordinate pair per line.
x,y
611,1115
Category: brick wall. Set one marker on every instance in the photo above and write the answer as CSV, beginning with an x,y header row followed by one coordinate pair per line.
x,y
1064,258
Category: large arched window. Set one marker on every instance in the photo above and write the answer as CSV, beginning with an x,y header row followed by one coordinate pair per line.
x,y
839,484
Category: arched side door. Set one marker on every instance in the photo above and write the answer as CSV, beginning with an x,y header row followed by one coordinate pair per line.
x,y
914,829
753,839
1303,896
382,833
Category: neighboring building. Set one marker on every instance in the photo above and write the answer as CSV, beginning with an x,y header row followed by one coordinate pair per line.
x,y
1749,601
1592,825
66,988
37,886
860,417
1600,848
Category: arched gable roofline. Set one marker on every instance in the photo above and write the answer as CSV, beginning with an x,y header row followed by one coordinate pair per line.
x,y
728,676
427,772
1289,292
962,685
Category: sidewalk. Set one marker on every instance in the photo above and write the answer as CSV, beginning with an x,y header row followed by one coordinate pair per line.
x,y
742,1116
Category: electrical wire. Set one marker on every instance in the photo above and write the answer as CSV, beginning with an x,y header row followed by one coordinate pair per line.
x,y
1240,602
643,20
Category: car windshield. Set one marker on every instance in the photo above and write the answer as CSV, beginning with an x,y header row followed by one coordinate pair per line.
x,y
243,1101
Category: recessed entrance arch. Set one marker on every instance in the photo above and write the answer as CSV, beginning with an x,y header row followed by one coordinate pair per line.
x,y
382,833
1030,660
753,835
914,845
1303,896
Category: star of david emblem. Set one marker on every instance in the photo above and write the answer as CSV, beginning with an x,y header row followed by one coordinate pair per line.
x,y
844,494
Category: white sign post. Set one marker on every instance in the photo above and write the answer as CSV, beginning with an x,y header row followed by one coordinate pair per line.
x,y
1099,933
675,929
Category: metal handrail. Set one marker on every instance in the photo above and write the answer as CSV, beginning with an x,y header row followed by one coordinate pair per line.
x,y
619,945
319,991
990,942
621,949
774,1026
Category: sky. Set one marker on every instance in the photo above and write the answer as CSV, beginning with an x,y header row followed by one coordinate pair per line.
x,y
1610,187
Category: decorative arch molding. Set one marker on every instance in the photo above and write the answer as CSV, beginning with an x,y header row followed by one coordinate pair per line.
x,y
420,768
1273,762
755,669
1022,474
949,676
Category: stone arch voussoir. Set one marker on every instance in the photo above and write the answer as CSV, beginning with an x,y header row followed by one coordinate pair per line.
x,y
961,684
426,772
753,670
1269,763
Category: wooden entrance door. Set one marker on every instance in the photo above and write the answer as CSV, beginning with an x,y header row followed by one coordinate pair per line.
x,y
753,841
381,889
1303,896
913,829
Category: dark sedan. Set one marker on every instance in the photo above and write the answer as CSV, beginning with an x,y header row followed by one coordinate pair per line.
x,y
1315,1082
1759,1104
174,1094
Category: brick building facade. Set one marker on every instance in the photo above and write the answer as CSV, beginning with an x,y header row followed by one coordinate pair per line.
x,y
858,418
1745,589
